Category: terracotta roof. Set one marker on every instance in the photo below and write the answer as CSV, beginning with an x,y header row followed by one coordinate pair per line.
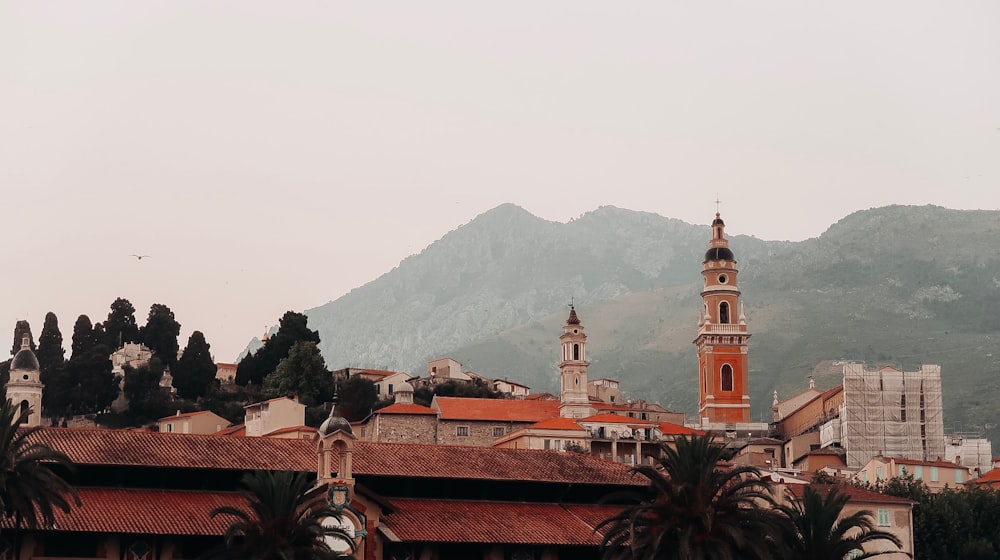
x,y
187,415
855,493
671,429
193,451
487,463
901,461
617,419
501,410
147,512
290,429
453,521
558,424
402,408
377,372
540,397
239,430
990,477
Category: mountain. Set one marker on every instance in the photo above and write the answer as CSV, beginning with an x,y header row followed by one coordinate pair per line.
x,y
896,285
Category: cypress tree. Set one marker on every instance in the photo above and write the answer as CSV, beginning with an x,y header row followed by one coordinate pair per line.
x,y
50,352
83,336
20,329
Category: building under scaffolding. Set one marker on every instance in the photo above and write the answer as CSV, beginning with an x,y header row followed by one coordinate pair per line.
x,y
891,413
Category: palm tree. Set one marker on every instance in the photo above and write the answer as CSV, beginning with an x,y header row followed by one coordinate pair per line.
x,y
818,532
30,489
693,509
286,521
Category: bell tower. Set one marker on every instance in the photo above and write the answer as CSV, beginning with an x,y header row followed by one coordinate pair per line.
x,y
722,339
573,399
25,387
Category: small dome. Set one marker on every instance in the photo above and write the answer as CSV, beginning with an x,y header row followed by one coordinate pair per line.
x,y
334,423
718,221
719,254
24,359
404,387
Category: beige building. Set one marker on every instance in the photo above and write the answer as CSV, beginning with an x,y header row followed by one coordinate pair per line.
x,y
225,373
937,475
511,389
202,422
265,417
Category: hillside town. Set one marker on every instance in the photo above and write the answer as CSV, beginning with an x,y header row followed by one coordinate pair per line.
x,y
527,475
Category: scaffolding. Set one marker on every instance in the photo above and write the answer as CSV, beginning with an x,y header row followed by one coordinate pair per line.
x,y
892,413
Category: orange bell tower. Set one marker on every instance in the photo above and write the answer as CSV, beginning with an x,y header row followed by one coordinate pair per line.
x,y
722,339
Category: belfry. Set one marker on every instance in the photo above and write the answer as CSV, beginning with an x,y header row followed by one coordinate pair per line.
x,y
722,340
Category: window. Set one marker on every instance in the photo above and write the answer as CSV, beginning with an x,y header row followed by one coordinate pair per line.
x,y
724,313
462,431
576,351
558,446
497,431
864,476
879,473
727,377
883,517
902,471
918,472
958,476
548,444
934,474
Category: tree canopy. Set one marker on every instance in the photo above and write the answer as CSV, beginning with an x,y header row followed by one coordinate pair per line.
x,y
356,398
22,328
120,327
147,401
302,373
50,351
194,373
160,333
292,328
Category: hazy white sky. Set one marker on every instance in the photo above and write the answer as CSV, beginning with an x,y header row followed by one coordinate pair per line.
x,y
274,155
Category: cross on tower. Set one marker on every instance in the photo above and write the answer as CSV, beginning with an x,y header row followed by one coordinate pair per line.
x,y
717,203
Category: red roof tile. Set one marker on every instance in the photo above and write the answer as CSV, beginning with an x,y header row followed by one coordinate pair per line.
x,y
500,410
989,477
558,424
171,450
856,494
376,372
186,415
671,429
454,521
617,419
289,430
901,461
147,512
403,408
540,397
239,430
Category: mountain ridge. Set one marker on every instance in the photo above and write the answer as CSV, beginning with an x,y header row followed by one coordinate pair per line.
x,y
883,284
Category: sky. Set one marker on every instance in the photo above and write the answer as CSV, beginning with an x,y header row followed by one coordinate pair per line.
x,y
271,156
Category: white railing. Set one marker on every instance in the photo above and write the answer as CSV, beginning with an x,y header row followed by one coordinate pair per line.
x,y
713,328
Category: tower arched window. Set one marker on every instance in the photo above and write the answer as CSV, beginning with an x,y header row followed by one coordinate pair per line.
x,y
724,313
727,377
25,410
576,351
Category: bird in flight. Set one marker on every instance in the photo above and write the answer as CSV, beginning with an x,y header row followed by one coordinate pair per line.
x,y
140,257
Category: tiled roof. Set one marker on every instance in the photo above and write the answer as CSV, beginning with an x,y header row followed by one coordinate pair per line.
x,y
501,410
403,408
901,461
289,430
192,451
671,429
540,397
989,477
452,521
147,512
377,372
558,424
239,430
276,399
185,415
617,419
856,494
486,463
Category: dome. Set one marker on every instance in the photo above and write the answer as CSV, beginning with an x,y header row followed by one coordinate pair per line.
x,y
718,221
719,254
24,359
404,387
334,423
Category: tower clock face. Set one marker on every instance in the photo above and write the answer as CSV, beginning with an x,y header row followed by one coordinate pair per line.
x,y
723,279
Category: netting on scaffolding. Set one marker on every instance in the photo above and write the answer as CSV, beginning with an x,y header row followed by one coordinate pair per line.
x,y
892,413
